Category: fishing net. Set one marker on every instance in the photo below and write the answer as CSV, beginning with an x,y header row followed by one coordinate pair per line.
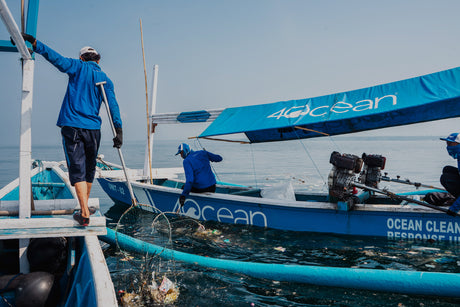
x,y
148,279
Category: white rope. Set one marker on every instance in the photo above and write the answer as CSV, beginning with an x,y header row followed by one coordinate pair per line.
x,y
253,165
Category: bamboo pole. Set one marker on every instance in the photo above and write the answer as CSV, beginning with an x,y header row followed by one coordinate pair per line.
x,y
146,103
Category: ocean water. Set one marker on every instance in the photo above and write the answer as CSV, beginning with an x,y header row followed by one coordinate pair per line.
x,y
306,165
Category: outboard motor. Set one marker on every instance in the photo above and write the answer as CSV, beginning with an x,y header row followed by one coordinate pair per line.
x,y
343,173
371,174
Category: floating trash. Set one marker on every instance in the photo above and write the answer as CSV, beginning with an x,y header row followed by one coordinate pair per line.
x,y
142,289
128,299
166,293
280,249
127,258
444,260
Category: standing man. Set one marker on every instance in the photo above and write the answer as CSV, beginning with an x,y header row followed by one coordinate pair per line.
x,y
199,177
79,118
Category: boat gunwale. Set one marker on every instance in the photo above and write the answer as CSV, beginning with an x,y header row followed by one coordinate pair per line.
x,y
295,204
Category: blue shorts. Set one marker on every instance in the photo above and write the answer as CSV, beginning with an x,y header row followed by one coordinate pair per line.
x,y
80,148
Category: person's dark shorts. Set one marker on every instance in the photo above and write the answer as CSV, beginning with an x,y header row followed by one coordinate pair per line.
x,y
208,189
80,148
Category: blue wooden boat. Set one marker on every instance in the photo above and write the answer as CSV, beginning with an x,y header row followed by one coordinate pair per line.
x,y
58,252
351,207
46,258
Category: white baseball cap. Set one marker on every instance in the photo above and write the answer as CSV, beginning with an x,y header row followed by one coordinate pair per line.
x,y
87,49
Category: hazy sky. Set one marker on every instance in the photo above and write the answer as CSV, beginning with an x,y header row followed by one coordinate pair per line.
x,y
215,54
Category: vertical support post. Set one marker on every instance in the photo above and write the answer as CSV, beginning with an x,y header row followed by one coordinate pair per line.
x,y
25,144
153,104
23,262
25,156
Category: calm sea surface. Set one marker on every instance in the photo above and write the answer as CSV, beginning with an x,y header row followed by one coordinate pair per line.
x,y
306,165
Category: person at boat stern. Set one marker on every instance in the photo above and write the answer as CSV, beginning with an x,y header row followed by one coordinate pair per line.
x,y
79,118
450,179
199,177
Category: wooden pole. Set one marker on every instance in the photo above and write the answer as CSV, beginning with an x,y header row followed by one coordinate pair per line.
x,y
22,16
146,104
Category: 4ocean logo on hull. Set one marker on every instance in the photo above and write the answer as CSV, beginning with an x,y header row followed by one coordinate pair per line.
x,y
239,216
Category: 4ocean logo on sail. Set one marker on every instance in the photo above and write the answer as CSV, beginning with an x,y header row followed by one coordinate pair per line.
x,y
339,107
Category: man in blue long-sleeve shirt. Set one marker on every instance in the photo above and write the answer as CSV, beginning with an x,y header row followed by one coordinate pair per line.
x,y
450,178
79,118
199,177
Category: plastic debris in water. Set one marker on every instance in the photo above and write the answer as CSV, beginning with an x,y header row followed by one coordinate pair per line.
x,y
444,260
129,299
166,285
280,249
426,249
166,293
202,232
127,258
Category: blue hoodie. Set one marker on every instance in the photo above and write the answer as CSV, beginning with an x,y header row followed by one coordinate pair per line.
x,y
82,100
455,207
198,171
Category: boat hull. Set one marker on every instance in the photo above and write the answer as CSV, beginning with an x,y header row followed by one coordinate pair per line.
x,y
393,222
86,281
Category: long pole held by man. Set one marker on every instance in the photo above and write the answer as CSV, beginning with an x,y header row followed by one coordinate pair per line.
x,y
114,131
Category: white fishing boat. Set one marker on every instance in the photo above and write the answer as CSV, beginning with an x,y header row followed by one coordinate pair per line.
x,y
47,258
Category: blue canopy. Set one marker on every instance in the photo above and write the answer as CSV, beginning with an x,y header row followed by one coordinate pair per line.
x,y
420,99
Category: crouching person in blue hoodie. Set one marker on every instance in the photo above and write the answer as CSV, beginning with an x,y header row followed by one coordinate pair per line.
x,y
199,177
450,179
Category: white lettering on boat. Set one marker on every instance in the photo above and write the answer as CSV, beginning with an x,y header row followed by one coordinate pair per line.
x,y
192,209
401,228
115,188
404,224
337,107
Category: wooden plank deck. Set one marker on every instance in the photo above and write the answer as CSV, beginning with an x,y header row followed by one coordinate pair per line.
x,y
40,226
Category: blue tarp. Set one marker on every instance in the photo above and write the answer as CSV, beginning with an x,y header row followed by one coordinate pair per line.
x,y
420,99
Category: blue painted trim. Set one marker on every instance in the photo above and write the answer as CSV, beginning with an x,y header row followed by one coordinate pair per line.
x,y
193,117
231,184
31,27
32,17
83,290
6,45
424,192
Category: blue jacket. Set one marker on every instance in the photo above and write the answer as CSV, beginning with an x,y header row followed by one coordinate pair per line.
x,y
455,207
198,171
82,100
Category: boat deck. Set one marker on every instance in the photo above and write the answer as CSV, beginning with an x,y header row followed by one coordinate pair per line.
x,y
40,226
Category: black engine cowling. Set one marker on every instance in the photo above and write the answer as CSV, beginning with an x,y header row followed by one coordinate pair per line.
x,y
343,173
